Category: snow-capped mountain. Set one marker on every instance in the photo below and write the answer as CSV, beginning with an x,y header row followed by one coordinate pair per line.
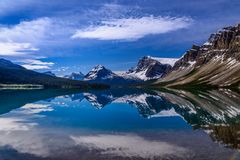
x,y
100,74
170,61
151,68
147,68
75,76
216,62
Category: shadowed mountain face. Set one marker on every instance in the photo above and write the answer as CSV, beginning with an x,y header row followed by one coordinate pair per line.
x,y
11,73
149,68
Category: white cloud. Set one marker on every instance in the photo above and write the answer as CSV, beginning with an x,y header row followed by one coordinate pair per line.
x,y
13,48
112,10
37,62
132,28
13,124
34,64
32,108
19,42
26,31
35,67
130,146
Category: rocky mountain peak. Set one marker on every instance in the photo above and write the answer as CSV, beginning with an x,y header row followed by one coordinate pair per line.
x,y
145,62
188,57
99,72
224,38
225,44
149,68
216,62
98,67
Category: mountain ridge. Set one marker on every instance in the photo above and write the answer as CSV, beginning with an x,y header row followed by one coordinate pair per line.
x,y
11,73
215,63
75,76
147,68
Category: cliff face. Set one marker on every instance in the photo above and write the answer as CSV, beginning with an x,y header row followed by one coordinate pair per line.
x,y
216,62
149,68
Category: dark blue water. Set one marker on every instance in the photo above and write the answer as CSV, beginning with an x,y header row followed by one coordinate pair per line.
x,y
119,124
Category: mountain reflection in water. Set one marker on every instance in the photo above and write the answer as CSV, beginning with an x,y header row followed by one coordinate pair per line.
x,y
68,124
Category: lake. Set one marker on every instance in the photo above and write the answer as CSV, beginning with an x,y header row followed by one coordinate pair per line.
x,y
119,124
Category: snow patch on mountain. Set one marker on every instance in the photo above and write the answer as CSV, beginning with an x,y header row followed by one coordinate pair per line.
x,y
166,113
138,75
170,61
99,72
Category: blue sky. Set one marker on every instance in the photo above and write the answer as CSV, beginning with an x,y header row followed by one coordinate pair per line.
x,y
75,35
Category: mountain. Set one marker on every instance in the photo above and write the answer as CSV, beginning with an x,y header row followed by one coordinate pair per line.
x,y
49,73
11,73
75,76
100,74
215,63
147,68
151,68
9,65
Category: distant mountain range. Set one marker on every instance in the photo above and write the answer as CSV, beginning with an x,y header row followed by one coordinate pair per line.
x,y
147,68
100,74
49,73
75,76
215,63
11,73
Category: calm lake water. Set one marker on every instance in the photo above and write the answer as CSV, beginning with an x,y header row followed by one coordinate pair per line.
x,y
120,124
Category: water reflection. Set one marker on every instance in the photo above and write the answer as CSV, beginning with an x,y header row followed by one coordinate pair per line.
x,y
119,124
